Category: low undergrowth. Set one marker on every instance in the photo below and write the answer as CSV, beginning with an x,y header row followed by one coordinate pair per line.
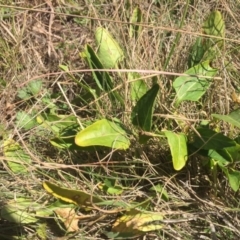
x,y
120,120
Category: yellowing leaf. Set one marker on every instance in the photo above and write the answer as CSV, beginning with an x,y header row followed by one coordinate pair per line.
x,y
109,51
76,197
138,222
214,25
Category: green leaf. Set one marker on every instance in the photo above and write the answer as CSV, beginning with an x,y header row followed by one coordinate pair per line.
x,y
76,197
209,48
102,79
25,120
208,139
233,178
23,94
138,87
63,143
214,25
158,188
135,18
111,188
136,222
21,211
143,111
222,157
197,53
103,133
233,118
234,152
35,87
58,124
226,155
190,87
17,159
109,51
178,147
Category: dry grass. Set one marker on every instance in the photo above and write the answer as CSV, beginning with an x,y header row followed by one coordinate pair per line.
x,y
34,43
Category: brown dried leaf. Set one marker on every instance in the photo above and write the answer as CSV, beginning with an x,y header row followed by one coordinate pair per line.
x,y
69,218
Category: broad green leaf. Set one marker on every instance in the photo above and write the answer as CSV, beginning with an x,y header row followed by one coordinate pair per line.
x,y
138,87
103,133
109,51
102,79
143,111
234,152
16,157
25,120
21,211
178,147
209,139
135,222
192,87
214,25
226,155
222,157
233,178
233,118
23,94
135,18
76,197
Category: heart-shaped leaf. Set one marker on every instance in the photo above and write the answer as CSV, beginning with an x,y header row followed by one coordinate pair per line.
x,y
103,133
214,25
192,87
